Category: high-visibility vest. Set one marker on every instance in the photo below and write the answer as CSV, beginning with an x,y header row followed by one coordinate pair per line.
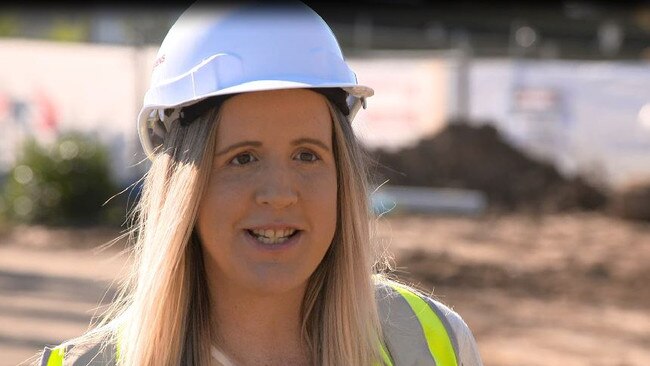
x,y
434,332
416,329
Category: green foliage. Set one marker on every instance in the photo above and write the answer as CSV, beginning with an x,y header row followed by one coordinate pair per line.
x,y
62,184
10,25
67,30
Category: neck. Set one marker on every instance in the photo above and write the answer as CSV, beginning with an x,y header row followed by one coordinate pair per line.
x,y
258,329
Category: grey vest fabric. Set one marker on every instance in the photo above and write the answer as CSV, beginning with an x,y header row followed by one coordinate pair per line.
x,y
404,336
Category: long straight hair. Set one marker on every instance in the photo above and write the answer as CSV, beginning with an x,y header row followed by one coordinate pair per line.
x,y
162,314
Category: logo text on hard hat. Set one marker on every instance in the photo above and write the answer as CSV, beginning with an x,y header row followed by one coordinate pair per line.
x,y
159,61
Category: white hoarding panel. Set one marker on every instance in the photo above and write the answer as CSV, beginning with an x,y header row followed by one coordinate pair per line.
x,y
410,99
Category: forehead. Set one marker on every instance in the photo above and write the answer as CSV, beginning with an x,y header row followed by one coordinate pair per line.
x,y
275,113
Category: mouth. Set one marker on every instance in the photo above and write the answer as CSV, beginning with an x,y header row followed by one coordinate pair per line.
x,y
271,236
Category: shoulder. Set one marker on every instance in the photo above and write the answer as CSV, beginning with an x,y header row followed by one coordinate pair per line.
x,y
95,353
401,322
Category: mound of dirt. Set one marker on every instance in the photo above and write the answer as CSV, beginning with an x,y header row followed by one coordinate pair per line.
x,y
477,157
632,202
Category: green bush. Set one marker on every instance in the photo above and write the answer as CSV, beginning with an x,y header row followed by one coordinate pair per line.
x,y
65,183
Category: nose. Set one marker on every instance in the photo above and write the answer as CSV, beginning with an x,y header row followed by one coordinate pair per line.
x,y
276,188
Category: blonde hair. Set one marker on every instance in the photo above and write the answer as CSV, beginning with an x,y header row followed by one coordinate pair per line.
x,y
162,315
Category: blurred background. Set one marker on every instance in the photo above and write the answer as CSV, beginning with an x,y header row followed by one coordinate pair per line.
x,y
511,175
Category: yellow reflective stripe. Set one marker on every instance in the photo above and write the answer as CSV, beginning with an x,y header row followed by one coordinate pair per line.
x,y
435,333
118,345
385,357
117,351
56,356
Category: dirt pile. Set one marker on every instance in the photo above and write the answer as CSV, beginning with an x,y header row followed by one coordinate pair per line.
x,y
632,202
477,157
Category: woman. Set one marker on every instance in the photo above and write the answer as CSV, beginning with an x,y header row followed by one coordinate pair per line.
x,y
253,232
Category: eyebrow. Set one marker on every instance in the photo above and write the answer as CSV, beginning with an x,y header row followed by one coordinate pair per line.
x,y
307,140
238,145
302,140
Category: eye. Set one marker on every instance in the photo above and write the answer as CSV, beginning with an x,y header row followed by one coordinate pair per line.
x,y
243,159
307,156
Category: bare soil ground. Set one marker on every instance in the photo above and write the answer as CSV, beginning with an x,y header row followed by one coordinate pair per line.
x,y
570,289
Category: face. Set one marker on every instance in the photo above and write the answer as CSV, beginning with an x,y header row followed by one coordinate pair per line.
x,y
269,212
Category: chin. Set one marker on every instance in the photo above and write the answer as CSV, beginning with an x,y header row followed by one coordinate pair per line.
x,y
273,283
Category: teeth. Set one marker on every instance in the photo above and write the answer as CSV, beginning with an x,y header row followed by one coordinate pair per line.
x,y
271,241
273,235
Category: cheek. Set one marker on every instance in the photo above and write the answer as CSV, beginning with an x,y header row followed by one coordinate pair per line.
x,y
223,194
320,195
221,206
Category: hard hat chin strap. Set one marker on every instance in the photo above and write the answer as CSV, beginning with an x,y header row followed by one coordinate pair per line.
x,y
355,105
